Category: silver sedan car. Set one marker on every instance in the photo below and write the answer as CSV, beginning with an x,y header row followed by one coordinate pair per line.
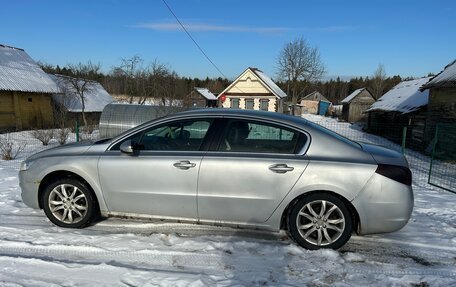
x,y
238,168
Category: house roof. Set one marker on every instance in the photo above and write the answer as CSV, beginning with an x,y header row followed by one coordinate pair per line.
x,y
96,97
444,79
353,95
264,79
405,97
19,72
316,96
206,93
270,83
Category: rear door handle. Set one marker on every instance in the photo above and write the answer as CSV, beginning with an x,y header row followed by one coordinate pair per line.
x,y
280,168
184,164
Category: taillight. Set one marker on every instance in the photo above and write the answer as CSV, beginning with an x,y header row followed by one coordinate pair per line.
x,y
398,173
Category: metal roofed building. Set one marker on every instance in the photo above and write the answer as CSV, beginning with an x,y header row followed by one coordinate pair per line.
x,y
441,109
253,90
445,79
402,106
202,98
405,97
25,91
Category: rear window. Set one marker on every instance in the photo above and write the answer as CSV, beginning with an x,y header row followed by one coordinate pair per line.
x,y
260,137
333,134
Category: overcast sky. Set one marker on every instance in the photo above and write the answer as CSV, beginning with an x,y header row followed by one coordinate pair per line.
x,y
410,38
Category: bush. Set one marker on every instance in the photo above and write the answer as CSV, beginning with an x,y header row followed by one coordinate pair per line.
x,y
62,135
88,129
9,149
44,136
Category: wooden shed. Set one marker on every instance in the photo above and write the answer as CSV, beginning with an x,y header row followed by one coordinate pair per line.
x,y
402,106
310,104
356,104
253,90
201,98
442,104
25,92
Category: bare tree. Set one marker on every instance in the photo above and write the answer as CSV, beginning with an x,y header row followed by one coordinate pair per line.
x,y
298,65
130,70
378,81
158,82
155,81
66,100
80,84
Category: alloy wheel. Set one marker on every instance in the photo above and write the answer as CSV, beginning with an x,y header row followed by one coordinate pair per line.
x,y
320,222
68,203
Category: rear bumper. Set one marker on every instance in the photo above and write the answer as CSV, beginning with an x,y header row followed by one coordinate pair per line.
x,y
383,205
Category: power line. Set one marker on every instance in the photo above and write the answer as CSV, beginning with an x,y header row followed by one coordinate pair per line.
x,y
194,41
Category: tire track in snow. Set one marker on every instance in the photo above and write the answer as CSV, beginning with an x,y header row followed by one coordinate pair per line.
x,y
396,272
150,259
371,249
392,251
177,261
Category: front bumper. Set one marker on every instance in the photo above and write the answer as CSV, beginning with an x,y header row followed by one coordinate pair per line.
x,y
29,190
384,205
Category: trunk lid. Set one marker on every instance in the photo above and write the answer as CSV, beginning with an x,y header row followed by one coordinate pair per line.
x,y
383,155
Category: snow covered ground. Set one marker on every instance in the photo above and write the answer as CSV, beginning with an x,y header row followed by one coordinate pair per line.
x,y
121,252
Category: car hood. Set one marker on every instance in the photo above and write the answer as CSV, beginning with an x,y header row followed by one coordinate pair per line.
x,y
383,155
68,149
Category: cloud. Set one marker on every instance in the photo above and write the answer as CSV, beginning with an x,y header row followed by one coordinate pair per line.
x,y
203,27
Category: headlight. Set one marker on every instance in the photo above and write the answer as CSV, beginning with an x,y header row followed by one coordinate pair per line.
x,y
25,165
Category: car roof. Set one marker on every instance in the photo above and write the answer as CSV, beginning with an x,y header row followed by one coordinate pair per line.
x,y
220,112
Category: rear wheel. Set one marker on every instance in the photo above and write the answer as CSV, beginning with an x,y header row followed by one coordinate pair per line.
x,y
68,203
320,220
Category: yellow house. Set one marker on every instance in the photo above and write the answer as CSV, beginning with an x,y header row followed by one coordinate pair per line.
x,y
25,92
253,90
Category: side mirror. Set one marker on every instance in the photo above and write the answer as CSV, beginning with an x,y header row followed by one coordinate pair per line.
x,y
128,147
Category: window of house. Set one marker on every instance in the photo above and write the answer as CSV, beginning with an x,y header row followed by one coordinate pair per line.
x,y
264,104
235,103
249,104
258,137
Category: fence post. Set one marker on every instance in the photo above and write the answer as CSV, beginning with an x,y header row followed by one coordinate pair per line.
x,y
404,139
433,152
77,130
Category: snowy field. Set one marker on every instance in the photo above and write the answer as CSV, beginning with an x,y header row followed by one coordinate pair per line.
x,y
120,252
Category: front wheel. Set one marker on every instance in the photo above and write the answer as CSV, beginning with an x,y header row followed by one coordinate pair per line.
x,y
68,203
320,220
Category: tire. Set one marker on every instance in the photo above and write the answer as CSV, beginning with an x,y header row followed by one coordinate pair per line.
x,y
69,203
320,220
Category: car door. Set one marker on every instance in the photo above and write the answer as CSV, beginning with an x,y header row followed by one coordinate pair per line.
x,y
249,173
160,177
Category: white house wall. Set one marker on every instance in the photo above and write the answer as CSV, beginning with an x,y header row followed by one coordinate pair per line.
x,y
272,107
248,83
272,104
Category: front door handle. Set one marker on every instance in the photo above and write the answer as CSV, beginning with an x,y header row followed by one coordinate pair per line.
x,y
184,164
280,168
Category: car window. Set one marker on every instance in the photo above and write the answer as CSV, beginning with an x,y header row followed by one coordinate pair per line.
x,y
333,134
175,136
134,139
257,137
